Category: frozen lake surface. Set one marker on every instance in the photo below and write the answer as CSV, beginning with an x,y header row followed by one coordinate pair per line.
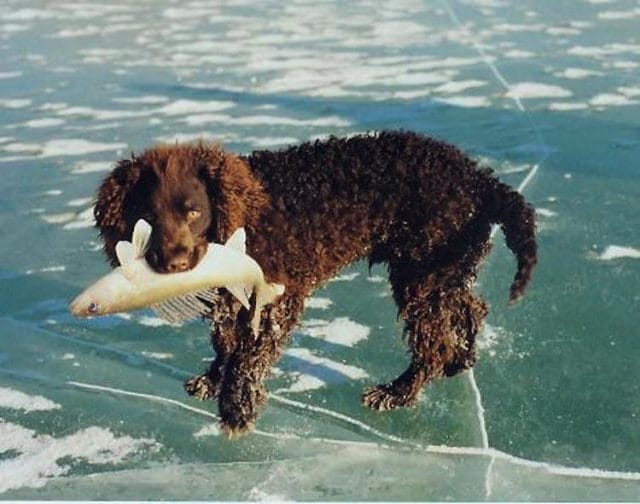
x,y
546,93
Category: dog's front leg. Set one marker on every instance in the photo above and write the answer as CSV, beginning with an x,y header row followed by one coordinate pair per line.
x,y
223,316
243,393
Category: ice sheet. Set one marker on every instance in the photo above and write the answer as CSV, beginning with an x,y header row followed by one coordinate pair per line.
x,y
547,96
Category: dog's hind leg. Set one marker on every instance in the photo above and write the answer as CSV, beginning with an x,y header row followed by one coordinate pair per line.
x,y
442,318
441,324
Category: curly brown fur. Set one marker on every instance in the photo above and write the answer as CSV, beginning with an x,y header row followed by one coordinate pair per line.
x,y
417,204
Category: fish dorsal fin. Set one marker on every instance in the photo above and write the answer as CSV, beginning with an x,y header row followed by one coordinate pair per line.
x,y
125,253
141,237
238,240
239,291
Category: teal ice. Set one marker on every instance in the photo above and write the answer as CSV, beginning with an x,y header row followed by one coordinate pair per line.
x,y
547,93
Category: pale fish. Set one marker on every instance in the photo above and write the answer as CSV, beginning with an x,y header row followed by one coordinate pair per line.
x,y
177,296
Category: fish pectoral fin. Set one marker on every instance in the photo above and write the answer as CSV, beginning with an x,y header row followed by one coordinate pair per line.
x,y
181,308
264,297
141,237
239,291
125,252
277,289
238,240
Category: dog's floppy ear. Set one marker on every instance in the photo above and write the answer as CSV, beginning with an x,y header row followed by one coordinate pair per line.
x,y
109,211
237,196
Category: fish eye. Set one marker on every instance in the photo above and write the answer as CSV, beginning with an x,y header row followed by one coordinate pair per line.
x,y
93,308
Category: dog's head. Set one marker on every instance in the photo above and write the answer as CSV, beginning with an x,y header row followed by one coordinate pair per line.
x,y
190,194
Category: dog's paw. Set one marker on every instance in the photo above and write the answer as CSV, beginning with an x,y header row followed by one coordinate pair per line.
x,y
386,397
235,430
239,404
201,387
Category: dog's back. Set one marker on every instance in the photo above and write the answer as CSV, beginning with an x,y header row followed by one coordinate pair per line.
x,y
388,196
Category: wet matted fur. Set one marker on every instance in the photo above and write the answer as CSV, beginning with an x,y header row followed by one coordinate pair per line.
x,y
414,203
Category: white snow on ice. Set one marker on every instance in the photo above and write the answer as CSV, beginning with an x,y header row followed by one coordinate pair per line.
x,y
534,90
319,303
618,252
353,372
14,399
39,453
92,166
466,101
303,383
611,100
157,355
341,331
181,107
458,86
15,103
577,73
568,106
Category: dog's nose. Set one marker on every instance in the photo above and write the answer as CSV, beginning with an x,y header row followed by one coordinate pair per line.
x,y
178,263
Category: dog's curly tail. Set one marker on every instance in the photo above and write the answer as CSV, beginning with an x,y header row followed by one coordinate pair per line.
x,y
516,218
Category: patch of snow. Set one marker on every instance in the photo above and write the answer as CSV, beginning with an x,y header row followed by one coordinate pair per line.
x,y
611,100
353,372
148,321
619,15
577,73
545,212
77,147
458,86
466,101
47,269
15,103
182,107
341,331
91,166
79,201
534,90
158,355
84,219
319,303
267,142
14,399
303,383
617,252
208,430
142,100
519,54
567,106
347,277
44,123
59,218
629,91
39,453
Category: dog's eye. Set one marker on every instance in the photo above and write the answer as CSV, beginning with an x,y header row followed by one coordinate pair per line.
x,y
193,215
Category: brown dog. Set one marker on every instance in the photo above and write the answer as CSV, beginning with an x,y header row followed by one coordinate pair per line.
x,y
414,203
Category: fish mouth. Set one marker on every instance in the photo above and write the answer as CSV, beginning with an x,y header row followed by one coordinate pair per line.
x,y
81,307
76,308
